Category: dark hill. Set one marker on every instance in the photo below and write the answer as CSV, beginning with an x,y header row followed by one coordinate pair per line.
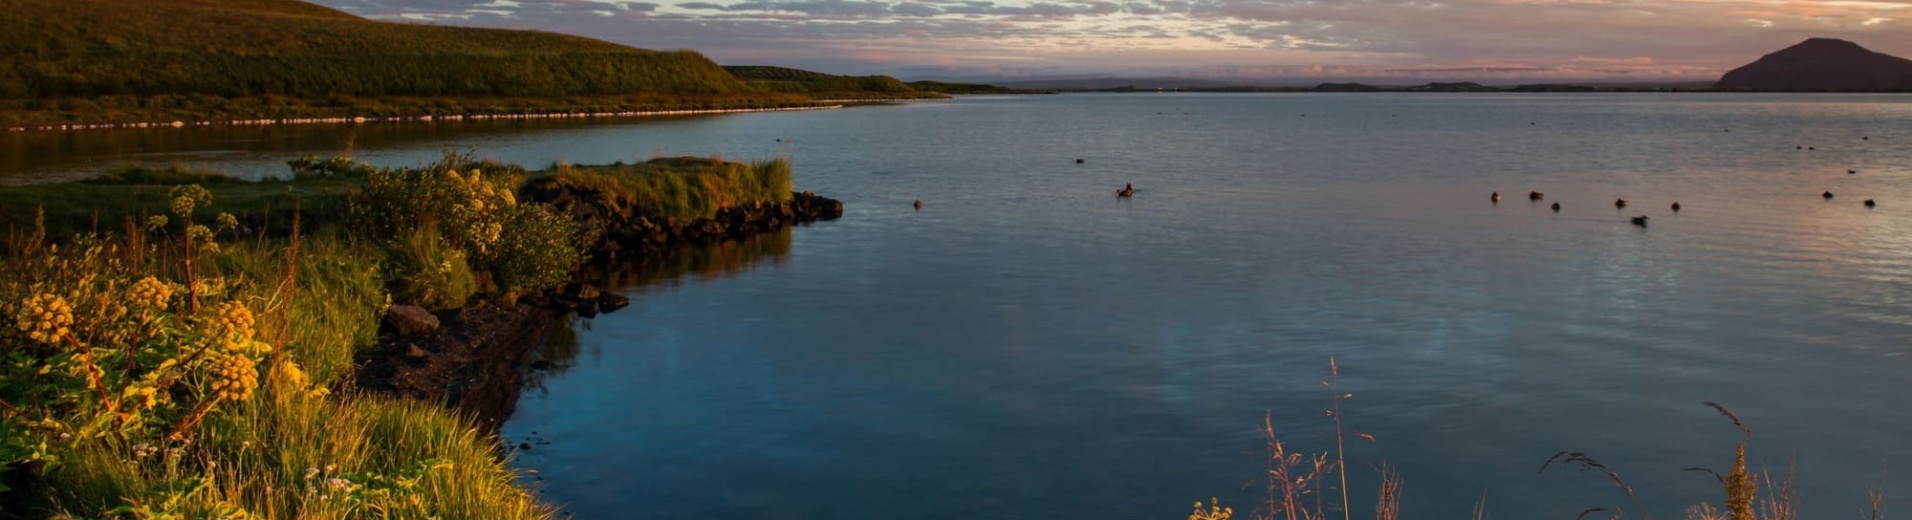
x,y
91,48
784,79
1822,64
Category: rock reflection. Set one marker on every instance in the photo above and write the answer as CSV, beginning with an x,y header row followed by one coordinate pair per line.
x,y
696,265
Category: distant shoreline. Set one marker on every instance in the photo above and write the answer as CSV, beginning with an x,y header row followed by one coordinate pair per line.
x,y
407,119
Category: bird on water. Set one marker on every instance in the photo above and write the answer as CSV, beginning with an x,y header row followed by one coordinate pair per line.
x,y
1870,203
1495,197
1827,195
1556,207
1676,207
1640,221
919,205
1534,195
1619,203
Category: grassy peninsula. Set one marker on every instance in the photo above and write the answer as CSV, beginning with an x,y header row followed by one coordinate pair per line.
x,y
176,350
92,61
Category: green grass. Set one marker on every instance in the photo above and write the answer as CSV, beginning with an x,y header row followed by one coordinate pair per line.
x,y
92,61
682,187
88,48
827,86
105,204
959,88
317,300
169,176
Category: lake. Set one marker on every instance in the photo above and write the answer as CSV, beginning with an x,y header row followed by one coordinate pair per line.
x,y
1030,346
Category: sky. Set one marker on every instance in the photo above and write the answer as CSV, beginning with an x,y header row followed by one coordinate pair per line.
x,y
1250,41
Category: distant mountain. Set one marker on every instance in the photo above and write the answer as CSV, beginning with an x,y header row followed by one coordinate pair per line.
x,y
1822,64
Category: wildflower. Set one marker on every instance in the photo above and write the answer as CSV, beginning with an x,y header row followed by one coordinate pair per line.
x,y
151,293
234,319
155,222
187,197
311,472
44,317
227,221
236,377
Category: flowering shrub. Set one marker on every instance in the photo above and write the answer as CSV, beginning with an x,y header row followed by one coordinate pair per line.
x,y
520,247
101,346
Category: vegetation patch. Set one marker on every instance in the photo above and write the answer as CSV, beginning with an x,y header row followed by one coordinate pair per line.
x,y
681,187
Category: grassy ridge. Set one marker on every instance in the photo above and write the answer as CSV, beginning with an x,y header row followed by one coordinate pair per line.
x,y
88,48
682,187
93,61
784,79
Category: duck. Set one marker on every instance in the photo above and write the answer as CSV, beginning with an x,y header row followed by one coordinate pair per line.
x,y
1676,207
1495,197
1852,172
1079,161
1619,203
919,205
1535,195
1556,207
1870,203
1126,191
1827,195
1640,221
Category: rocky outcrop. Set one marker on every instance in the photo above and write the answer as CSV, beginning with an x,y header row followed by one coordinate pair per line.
x,y
472,363
409,320
626,232
1825,65
473,359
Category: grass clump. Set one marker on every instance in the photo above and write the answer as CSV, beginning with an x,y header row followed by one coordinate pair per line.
x,y
171,374
472,207
168,176
683,187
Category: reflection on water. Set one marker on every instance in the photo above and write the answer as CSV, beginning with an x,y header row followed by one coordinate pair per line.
x,y
261,151
688,265
697,265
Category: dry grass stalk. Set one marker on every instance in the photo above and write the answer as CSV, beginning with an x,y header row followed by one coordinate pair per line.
x,y
1741,488
1877,495
1782,503
1340,449
1293,478
1588,463
1387,504
1480,507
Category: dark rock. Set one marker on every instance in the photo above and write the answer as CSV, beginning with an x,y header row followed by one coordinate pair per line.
x,y
410,320
1822,64
524,446
474,364
610,302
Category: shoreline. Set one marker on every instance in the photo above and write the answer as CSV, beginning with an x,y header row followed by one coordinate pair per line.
x,y
410,119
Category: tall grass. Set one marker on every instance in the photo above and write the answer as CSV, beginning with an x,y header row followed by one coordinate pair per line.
x,y
304,445
1298,486
683,187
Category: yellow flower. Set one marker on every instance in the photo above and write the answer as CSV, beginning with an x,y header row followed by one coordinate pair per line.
x,y
234,327
151,293
44,317
234,377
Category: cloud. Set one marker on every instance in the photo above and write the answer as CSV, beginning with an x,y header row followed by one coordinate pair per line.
x,y
1672,39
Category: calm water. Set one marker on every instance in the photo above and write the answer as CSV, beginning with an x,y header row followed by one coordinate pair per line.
x,y
1027,346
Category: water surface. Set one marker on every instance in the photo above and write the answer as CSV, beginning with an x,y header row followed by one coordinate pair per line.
x,y
1029,346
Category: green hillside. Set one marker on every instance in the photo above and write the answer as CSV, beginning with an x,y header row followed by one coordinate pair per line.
x,y
89,48
818,84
